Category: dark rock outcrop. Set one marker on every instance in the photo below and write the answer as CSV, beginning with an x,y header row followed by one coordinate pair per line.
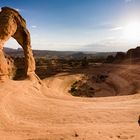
x,y
131,56
133,53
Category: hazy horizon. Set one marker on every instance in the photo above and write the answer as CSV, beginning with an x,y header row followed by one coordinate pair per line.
x,y
80,25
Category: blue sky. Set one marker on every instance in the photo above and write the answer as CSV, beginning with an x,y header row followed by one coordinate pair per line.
x,y
80,25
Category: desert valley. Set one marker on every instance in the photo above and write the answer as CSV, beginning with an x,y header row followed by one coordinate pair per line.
x,y
105,104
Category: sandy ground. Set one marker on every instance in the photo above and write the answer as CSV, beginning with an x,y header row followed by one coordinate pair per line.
x,y
29,111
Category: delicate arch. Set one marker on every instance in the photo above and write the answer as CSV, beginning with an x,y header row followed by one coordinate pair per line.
x,y
13,25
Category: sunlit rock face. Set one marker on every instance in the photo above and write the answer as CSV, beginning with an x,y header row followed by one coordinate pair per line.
x,y
13,25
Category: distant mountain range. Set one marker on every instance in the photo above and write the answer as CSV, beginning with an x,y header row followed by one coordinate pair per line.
x,y
58,54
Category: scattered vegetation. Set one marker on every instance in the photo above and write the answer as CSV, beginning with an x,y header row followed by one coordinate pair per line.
x,y
82,89
87,86
46,67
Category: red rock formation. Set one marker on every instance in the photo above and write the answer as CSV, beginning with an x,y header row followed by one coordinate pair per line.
x,y
13,25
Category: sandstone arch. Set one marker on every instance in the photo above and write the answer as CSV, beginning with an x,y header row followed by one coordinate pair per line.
x,y
13,25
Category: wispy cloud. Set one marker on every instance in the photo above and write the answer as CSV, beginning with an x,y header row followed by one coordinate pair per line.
x,y
34,26
20,10
17,9
116,28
